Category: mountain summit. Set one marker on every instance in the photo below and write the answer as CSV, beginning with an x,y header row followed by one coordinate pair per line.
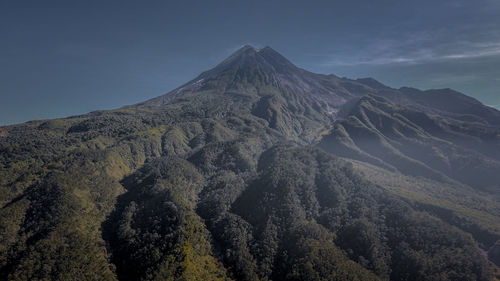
x,y
260,70
263,71
265,60
257,170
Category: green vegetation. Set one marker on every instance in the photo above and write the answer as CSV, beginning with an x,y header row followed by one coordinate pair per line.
x,y
232,177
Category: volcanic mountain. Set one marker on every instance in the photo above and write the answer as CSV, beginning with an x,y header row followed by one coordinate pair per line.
x,y
257,170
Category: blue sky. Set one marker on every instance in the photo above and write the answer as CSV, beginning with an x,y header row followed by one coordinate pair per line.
x,y
61,58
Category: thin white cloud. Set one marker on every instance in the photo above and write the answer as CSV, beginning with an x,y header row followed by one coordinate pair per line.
x,y
474,54
421,56
423,47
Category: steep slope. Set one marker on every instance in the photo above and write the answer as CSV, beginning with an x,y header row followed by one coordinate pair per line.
x,y
256,71
217,179
294,101
418,144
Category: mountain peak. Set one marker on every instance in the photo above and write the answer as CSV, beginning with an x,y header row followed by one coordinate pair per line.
x,y
250,67
266,60
250,48
246,49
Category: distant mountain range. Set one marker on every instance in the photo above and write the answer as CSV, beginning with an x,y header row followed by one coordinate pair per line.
x,y
257,170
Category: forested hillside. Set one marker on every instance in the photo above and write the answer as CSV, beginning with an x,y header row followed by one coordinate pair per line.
x,y
256,170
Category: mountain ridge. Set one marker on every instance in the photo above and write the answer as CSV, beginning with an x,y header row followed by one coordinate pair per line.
x,y
336,91
260,171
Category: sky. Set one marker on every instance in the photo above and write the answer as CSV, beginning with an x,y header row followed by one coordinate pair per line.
x,y
62,58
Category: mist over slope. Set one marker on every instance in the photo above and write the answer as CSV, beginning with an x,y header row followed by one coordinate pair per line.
x,y
257,170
